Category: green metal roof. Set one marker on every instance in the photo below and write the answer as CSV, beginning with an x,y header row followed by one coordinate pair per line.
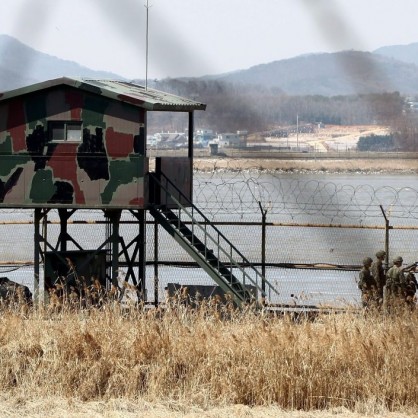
x,y
134,94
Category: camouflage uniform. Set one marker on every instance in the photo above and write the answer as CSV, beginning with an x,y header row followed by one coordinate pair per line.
x,y
12,292
395,284
367,284
411,287
378,273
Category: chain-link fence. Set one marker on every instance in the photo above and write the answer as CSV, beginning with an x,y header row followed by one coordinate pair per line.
x,y
316,230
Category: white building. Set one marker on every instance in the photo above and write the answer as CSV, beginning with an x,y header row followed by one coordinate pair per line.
x,y
170,139
228,140
204,136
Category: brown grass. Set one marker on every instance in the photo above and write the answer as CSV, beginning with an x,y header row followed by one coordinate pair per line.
x,y
394,165
211,358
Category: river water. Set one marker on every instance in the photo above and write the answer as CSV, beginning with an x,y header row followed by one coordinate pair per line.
x,y
319,200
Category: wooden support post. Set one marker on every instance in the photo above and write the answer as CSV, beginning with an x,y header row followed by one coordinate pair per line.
x,y
190,151
115,218
63,228
190,135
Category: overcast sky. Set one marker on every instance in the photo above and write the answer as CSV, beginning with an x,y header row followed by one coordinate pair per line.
x,y
198,37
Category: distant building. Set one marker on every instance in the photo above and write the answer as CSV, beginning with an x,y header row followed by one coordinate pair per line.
x,y
228,139
170,139
413,106
204,136
243,134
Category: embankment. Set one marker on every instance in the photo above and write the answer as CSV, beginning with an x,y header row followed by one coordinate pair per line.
x,y
343,165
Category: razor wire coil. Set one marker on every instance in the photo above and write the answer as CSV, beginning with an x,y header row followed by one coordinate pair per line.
x,y
241,193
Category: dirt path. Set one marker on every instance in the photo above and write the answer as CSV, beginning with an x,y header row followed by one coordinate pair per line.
x,y
339,138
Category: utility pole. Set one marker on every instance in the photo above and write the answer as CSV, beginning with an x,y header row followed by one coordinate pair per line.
x,y
146,47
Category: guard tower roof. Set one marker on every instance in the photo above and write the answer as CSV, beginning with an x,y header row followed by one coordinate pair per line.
x,y
123,91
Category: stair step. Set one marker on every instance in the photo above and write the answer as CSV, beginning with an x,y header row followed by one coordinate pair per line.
x,y
224,272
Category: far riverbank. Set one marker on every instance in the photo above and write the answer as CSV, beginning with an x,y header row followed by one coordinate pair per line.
x,y
343,165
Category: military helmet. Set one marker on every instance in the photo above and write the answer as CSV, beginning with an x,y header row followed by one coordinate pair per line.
x,y
397,260
367,261
380,254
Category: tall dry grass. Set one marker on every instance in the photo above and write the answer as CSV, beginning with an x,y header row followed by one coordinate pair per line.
x,y
212,357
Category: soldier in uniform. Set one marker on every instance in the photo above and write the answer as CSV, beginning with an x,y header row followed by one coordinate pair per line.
x,y
395,285
367,284
378,273
411,287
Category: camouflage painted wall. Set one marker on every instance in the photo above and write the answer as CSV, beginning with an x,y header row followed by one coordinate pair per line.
x,y
104,169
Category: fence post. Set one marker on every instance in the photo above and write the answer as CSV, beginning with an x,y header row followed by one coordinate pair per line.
x,y
40,236
37,243
41,293
387,228
263,249
156,279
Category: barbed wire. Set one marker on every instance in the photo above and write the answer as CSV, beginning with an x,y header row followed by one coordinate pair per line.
x,y
241,192
292,195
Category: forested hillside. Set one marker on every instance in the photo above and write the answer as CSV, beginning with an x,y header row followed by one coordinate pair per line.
x,y
233,107
331,74
345,88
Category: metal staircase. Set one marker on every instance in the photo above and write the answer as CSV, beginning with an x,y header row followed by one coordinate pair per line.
x,y
207,245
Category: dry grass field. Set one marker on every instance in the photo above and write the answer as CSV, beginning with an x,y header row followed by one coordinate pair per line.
x,y
209,362
325,138
332,165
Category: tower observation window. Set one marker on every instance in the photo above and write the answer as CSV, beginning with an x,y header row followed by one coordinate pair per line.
x,y
65,131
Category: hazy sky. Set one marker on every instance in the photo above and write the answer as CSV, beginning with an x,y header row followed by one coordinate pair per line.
x,y
197,37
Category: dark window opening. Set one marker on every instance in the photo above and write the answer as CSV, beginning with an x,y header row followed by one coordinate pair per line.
x,y
65,131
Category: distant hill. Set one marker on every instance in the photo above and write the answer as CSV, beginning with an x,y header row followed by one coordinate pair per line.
x,y
405,53
21,65
331,74
388,69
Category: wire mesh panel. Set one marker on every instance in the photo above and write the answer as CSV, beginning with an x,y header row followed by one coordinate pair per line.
x,y
313,287
317,229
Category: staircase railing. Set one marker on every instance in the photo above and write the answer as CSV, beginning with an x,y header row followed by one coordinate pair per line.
x,y
213,246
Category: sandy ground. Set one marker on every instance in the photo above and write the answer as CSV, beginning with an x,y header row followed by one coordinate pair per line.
x,y
340,138
330,137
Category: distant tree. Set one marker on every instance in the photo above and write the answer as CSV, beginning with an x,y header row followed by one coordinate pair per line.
x,y
376,143
406,132
241,106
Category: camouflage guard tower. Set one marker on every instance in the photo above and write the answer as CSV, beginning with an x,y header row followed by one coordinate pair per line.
x,y
70,144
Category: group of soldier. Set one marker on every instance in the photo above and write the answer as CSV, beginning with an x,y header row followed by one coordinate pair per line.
x,y
387,289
